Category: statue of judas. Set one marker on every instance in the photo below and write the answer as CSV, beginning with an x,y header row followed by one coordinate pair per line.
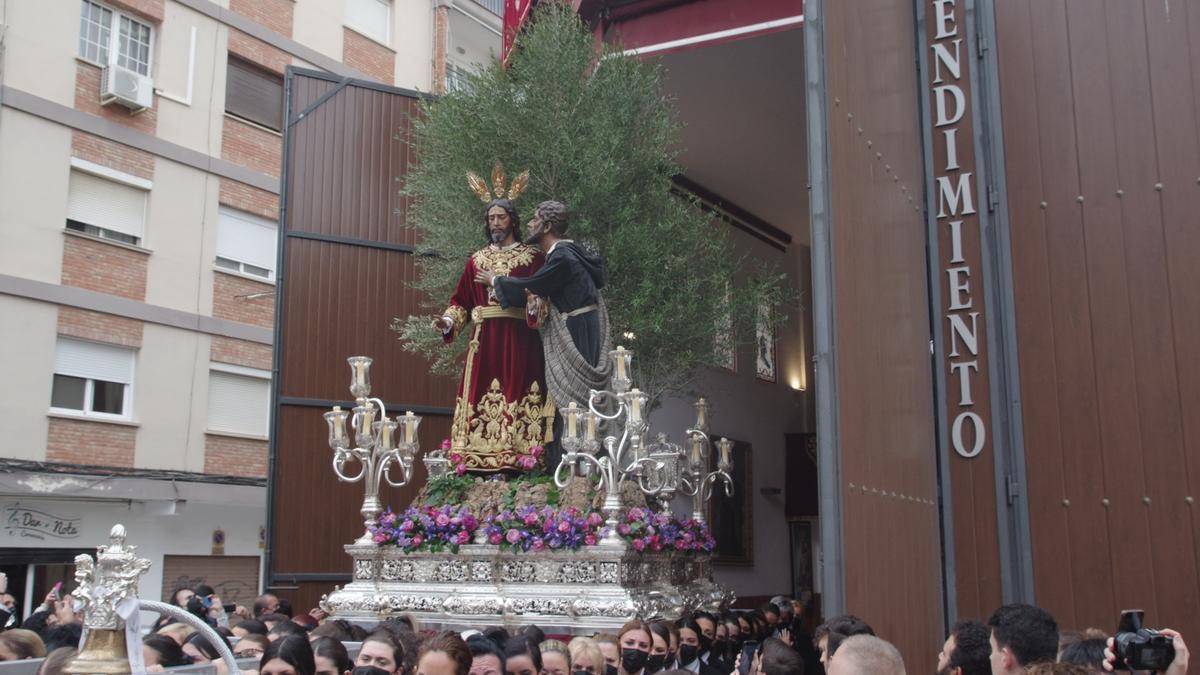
x,y
501,412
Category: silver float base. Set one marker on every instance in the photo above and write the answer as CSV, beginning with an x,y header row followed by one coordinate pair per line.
x,y
597,588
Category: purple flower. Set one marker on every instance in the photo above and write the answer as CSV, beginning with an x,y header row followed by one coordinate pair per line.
x,y
406,526
622,529
513,536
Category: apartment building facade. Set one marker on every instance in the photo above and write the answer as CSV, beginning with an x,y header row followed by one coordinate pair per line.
x,y
140,153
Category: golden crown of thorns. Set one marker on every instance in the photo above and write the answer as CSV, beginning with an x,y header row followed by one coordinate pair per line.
x,y
498,189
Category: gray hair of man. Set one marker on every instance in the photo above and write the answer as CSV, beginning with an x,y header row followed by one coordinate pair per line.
x,y
866,655
553,215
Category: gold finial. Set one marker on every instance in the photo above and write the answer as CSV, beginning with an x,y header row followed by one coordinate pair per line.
x,y
498,180
518,185
498,188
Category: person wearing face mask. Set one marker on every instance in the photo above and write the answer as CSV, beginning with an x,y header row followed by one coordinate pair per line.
x,y
607,643
634,641
688,656
556,659
718,653
660,642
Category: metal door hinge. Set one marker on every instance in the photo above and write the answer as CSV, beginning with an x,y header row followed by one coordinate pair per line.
x,y
1012,489
993,198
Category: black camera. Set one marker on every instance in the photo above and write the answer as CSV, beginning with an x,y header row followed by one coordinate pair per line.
x,y
1138,648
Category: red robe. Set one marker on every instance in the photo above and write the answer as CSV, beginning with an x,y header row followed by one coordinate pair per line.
x,y
501,410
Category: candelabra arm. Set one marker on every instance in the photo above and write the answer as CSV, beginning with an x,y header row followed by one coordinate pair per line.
x,y
566,462
385,471
597,393
656,468
340,457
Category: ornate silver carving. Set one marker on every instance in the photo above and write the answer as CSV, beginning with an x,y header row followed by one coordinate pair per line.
x,y
109,580
596,588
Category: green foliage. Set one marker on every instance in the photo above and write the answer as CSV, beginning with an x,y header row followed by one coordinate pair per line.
x,y
596,134
448,489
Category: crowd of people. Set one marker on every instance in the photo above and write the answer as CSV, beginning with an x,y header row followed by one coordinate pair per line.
x,y
1017,639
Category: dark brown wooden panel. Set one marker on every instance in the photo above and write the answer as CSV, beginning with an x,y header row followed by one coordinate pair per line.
x,y
1099,111
345,275
890,524
339,302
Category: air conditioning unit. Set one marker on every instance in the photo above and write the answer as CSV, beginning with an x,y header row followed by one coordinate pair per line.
x,y
126,87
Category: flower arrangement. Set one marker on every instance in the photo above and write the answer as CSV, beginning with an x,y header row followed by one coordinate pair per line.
x,y
431,528
529,461
644,529
534,529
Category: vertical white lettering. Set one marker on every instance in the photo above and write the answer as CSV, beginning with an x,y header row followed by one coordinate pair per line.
x,y
964,369
956,242
960,288
940,104
951,194
959,331
942,57
943,13
951,136
956,434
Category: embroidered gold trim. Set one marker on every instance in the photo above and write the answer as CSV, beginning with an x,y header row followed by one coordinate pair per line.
x,y
459,316
498,431
503,261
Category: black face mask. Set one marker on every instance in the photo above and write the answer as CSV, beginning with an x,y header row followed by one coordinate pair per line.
x,y
580,672
610,669
706,643
687,654
633,660
655,663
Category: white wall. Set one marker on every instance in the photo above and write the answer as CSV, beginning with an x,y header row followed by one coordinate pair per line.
x,y
26,367
35,168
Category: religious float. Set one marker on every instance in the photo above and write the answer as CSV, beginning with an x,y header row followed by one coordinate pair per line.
x,y
583,549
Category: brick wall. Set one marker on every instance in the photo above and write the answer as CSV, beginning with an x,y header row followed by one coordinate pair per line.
x,y
228,305
240,353
87,99
92,443
257,51
113,155
249,199
368,56
97,327
230,456
249,146
146,9
274,14
103,267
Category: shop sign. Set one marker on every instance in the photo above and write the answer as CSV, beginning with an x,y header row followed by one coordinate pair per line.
x,y
958,229
35,523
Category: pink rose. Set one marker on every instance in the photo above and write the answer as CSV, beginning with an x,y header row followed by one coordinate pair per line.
x,y
406,526
513,536
460,469
538,544
526,462
655,546
564,526
595,519
622,529
446,444
639,544
531,519
589,540
463,537
635,514
416,540
495,539
537,451
443,520
380,537
456,458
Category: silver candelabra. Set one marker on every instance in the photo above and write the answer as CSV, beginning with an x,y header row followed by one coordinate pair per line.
x,y
660,469
376,447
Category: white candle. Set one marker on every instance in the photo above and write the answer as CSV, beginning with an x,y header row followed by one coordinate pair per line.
x,y
360,373
385,433
339,424
701,414
591,427
725,443
409,431
572,415
620,363
696,451
635,401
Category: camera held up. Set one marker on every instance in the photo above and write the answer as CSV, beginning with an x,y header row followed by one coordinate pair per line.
x,y
1139,648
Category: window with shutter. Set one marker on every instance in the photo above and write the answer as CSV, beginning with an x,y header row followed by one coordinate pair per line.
x,y
370,17
238,400
105,208
92,379
246,243
254,94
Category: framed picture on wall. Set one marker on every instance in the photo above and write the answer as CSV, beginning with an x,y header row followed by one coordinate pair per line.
x,y
764,344
800,535
731,518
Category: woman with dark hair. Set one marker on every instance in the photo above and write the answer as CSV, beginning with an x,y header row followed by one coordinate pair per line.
x,y
289,655
380,649
660,646
689,645
251,646
1088,652
18,644
634,642
331,657
200,649
161,650
444,654
522,657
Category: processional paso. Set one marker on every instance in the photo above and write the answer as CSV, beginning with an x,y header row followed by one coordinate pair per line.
x,y
581,537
